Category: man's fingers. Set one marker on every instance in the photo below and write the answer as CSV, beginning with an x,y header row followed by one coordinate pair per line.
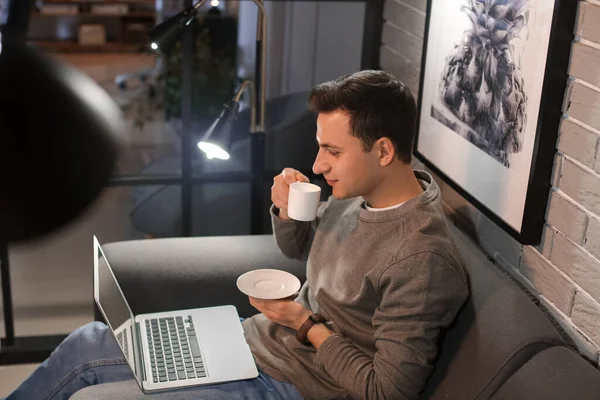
x,y
301,178
265,304
255,303
289,176
280,201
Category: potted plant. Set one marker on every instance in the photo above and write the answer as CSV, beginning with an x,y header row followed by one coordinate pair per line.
x,y
214,71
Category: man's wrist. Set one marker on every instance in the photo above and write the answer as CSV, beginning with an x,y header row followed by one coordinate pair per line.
x,y
307,326
302,320
318,334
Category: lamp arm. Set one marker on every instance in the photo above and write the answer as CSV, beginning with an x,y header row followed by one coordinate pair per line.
x,y
199,4
261,36
238,96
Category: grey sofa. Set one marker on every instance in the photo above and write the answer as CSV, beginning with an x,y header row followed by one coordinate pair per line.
x,y
502,346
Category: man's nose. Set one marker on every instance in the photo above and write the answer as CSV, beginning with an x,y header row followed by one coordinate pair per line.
x,y
319,167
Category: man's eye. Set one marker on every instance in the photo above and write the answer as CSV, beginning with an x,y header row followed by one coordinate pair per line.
x,y
333,153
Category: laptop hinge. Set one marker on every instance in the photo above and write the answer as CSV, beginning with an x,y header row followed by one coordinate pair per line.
x,y
140,352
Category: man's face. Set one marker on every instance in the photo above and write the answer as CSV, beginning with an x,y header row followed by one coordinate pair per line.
x,y
342,160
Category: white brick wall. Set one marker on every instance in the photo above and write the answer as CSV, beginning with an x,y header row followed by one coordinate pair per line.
x,y
581,184
586,315
592,243
583,101
563,270
402,40
567,216
547,279
579,141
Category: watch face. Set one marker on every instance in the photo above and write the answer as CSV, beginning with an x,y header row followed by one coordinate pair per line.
x,y
316,318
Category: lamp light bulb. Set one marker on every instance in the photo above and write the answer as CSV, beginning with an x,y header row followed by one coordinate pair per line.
x,y
213,151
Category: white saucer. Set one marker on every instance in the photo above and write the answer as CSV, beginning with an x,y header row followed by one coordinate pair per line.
x,y
268,284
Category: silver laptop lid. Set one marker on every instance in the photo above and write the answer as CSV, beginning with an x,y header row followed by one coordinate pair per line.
x,y
114,307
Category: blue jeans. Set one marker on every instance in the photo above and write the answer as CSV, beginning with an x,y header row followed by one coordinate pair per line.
x,y
90,355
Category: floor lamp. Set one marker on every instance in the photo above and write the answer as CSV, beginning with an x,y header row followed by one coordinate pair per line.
x,y
217,140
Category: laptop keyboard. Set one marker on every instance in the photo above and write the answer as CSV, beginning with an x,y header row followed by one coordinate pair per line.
x,y
174,350
123,342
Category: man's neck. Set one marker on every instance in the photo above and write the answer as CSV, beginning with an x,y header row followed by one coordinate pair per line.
x,y
398,185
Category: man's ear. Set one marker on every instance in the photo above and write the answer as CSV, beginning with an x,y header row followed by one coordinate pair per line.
x,y
387,151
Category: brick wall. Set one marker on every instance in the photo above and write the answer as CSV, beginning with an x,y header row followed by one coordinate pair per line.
x,y
564,270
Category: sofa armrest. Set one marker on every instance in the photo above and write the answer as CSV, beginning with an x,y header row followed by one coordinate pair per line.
x,y
181,273
554,374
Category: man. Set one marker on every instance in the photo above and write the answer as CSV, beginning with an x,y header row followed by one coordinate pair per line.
x,y
383,275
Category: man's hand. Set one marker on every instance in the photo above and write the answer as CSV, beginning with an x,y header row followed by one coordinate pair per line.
x,y
291,314
284,312
281,189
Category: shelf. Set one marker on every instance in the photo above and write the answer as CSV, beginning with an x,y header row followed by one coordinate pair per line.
x,y
99,1
130,14
68,46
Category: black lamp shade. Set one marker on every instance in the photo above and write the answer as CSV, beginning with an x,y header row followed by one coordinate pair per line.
x,y
164,36
58,143
219,135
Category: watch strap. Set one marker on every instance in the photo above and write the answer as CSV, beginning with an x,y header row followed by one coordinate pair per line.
x,y
309,323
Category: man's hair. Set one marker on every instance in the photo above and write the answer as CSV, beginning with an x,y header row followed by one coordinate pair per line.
x,y
378,105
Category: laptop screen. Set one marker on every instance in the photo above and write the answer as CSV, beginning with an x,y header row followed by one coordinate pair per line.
x,y
116,311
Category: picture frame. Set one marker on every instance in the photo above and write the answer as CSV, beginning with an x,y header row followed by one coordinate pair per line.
x,y
491,93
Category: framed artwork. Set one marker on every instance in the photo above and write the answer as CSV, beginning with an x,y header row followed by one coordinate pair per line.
x,y
493,79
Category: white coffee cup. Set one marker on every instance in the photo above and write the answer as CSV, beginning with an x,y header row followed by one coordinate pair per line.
x,y
303,201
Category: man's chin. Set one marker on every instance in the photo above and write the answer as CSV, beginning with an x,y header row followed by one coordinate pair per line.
x,y
338,195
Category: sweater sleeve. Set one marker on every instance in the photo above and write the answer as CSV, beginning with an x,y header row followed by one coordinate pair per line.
x,y
294,238
420,296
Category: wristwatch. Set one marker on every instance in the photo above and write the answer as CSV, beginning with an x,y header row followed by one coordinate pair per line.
x,y
309,323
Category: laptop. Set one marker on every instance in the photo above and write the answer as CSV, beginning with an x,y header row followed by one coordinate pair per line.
x,y
175,349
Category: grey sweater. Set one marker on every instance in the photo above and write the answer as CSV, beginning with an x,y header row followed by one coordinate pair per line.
x,y
388,282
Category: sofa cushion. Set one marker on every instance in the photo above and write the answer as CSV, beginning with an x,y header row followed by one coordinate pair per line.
x,y
498,330
556,373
